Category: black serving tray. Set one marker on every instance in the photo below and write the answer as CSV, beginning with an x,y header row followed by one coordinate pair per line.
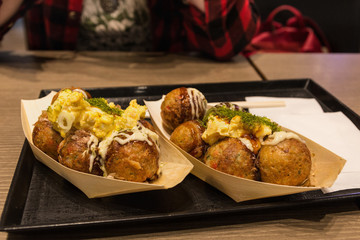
x,y
40,200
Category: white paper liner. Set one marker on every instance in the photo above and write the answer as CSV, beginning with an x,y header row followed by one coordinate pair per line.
x,y
325,169
174,166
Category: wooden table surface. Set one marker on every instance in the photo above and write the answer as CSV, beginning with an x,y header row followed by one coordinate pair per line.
x,y
24,74
337,73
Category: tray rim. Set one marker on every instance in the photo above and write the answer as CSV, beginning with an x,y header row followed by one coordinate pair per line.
x,y
301,83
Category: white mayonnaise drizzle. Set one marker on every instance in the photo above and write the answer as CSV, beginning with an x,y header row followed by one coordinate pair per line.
x,y
139,133
247,143
104,144
92,145
197,101
278,137
102,167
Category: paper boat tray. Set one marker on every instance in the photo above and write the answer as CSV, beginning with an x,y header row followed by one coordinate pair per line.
x,y
174,166
326,166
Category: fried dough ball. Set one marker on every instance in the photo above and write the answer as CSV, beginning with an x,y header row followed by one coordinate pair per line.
x,y
188,137
134,160
286,163
45,137
231,156
78,151
181,105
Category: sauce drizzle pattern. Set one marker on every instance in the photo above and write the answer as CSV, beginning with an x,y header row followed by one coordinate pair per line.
x,y
197,101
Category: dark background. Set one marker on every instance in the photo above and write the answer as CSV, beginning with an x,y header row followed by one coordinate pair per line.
x,y
339,20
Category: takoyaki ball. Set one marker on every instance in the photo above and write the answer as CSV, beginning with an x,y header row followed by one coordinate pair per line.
x,y
134,160
188,137
231,156
45,137
78,151
77,89
181,105
286,163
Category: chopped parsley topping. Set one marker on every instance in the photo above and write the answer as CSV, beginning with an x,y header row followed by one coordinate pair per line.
x,y
201,123
102,104
249,120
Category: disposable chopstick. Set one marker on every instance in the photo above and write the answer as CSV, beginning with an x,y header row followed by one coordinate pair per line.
x,y
245,104
266,104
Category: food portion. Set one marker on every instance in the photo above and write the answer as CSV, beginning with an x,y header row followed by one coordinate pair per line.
x,y
78,151
45,137
222,121
181,105
132,160
94,136
188,137
71,109
236,142
286,162
230,155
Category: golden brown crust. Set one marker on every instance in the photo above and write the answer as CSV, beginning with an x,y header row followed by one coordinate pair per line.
x,y
176,108
134,161
45,137
287,163
74,154
188,137
231,156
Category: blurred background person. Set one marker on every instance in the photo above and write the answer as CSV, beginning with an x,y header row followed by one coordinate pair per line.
x,y
217,28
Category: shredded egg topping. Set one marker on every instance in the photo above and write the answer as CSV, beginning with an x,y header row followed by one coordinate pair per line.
x,y
218,128
70,109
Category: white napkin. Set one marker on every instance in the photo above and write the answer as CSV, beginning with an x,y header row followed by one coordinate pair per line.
x,y
333,131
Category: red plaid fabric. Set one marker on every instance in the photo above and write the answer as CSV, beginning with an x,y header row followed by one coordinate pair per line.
x,y
225,28
53,25
222,32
